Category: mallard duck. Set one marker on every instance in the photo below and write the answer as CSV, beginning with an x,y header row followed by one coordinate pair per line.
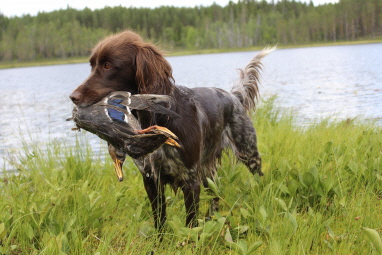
x,y
111,120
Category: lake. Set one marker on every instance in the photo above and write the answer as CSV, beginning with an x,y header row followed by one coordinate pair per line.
x,y
319,82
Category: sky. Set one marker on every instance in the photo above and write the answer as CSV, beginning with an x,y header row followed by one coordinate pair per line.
x,y
11,8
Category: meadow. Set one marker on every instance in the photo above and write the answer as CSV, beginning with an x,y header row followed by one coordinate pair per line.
x,y
321,194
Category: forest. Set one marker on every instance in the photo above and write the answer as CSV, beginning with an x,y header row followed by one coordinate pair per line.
x,y
72,33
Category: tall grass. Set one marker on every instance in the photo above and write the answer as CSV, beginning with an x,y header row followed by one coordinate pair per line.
x,y
321,194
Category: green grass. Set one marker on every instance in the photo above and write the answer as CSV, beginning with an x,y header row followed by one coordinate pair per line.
x,y
181,52
43,62
321,194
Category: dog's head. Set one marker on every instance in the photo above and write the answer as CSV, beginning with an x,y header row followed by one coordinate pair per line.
x,y
124,62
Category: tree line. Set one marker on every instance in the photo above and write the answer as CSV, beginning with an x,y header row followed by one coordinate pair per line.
x,y
72,33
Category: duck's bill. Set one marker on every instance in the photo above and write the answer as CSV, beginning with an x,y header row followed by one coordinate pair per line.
x,y
118,168
160,130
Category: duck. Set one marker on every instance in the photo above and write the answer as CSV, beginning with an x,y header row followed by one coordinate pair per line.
x,y
112,120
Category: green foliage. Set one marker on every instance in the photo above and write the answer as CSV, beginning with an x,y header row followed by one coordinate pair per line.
x,y
321,194
72,33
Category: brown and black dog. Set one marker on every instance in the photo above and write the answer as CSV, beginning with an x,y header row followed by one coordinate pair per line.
x,y
212,119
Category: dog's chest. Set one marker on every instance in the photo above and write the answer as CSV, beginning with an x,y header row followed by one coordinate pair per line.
x,y
166,164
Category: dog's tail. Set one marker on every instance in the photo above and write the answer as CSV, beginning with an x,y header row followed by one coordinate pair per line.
x,y
246,89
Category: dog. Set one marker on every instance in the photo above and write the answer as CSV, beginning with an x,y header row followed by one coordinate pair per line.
x,y
211,118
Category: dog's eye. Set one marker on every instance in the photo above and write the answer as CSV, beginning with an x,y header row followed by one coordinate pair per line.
x,y
107,65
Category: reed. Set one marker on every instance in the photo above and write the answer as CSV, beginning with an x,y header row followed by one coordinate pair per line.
x,y
321,194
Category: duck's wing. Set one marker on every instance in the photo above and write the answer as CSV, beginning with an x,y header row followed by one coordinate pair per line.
x,y
145,102
153,103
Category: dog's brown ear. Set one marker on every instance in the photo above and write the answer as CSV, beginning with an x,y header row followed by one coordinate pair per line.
x,y
153,72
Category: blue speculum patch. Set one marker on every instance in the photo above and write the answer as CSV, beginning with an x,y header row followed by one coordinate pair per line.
x,y
115,114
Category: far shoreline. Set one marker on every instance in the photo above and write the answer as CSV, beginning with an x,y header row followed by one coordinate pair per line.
x,y
182,52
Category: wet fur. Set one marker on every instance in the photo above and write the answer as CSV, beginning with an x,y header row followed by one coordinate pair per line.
x,y
212,119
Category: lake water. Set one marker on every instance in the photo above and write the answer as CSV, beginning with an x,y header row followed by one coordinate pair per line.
x,y
336,81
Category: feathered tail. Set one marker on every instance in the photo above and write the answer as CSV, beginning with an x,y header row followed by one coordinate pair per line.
x,y
247,87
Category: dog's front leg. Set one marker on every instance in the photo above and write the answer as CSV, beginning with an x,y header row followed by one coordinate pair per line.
x,y
191,192
155,192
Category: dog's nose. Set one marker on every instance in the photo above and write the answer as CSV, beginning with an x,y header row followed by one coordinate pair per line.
x,y
75,96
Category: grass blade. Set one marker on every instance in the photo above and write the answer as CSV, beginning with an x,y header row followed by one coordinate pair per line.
x,y
374,238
